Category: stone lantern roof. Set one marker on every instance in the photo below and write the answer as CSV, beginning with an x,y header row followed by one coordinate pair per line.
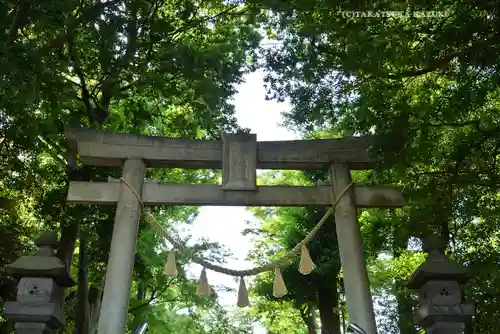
x,y
437,266
43,264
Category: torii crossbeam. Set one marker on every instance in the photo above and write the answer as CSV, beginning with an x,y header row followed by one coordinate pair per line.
x,y
239,156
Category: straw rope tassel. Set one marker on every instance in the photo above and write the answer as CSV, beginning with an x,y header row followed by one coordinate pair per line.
x,y
306,265
279,288
243,300
170,268
203,287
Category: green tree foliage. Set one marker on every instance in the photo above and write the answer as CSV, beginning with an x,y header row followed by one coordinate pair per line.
x,y
278,316
427,87
309,294
153,67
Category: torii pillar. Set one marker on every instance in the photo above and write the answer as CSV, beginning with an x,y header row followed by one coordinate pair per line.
x,y
356,284
114,307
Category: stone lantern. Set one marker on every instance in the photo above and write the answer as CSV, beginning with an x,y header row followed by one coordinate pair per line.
x,y
438,281
40,293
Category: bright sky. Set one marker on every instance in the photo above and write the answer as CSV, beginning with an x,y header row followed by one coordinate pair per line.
x,y
225,224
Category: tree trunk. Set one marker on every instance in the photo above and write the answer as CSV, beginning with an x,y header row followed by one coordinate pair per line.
x,y
343,316
69,234
404,309
141,291
403,297
328,305
309,317
82,306
95,298
66,249
69,229
469,328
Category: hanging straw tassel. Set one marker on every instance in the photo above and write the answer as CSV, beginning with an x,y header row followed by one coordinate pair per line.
x,y
306,266
279,288
170,268
203,287
243,300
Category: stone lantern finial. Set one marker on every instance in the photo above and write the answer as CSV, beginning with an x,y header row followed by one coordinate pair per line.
x,y
47,238
434,243
47,241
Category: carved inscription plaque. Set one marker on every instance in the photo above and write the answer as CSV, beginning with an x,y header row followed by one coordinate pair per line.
x,y
239,162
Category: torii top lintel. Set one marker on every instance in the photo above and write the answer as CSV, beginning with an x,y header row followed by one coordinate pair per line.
x,y
238,155
103,148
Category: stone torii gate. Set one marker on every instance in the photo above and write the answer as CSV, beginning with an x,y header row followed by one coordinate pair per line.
x,y
239,156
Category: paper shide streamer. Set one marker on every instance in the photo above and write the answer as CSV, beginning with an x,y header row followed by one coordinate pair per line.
x,y
306,265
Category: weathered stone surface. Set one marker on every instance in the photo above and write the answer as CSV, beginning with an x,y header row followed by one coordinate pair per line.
x,y
239,162
37,289
33,266
47,238
50,314
38,306
446,328
34,328
443,293
211,194
43,264
350,247
428,314
115,298
438,280
102,148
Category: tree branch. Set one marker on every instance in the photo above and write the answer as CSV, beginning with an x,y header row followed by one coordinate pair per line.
x,y
193,23
436,65
474,123
83,85
20,19
196,22
154,296
87,14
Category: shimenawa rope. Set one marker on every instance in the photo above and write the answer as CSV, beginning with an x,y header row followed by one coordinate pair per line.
x,y
232,272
